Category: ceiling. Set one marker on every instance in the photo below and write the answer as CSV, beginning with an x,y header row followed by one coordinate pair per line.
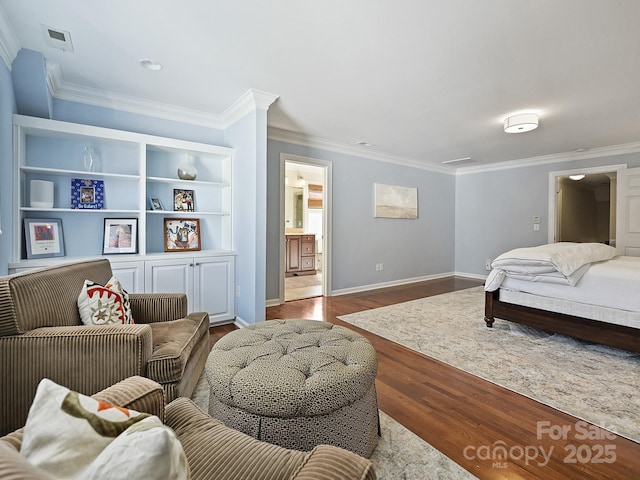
x,y
423,81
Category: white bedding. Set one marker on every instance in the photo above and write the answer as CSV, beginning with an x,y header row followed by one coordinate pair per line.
x,y
613,283
562,263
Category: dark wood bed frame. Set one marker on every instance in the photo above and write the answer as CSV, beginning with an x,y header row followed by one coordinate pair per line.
x,y
590,330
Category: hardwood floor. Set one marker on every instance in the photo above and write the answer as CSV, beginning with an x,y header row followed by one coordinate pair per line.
x,y
466,418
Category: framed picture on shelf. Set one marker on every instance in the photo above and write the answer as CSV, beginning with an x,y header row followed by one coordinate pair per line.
x,y
87,194
120,235
155,203
44,237
183,200
181,234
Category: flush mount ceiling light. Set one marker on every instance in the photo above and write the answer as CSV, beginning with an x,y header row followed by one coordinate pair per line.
x,y
524,122
150,65
364,144
577,177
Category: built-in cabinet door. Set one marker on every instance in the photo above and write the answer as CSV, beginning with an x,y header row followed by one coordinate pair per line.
x,y
130,275
170,276
293,253
213,287
207,281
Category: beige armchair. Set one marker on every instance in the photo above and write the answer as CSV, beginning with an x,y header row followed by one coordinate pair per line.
x,y
41,335
212,450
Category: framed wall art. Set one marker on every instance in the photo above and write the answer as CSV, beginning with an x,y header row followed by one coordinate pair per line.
x,y
120,235
44,237
87,194
183,200
393,201
181,234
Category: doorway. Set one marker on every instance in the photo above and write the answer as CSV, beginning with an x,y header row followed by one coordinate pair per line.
x,y
305,235
582,205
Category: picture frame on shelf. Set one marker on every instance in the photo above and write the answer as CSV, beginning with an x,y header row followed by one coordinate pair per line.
x,y
120,236
182,234
183,200
155,203
87,194
44,237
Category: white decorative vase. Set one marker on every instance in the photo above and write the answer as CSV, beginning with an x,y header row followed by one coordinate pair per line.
x,y
41,194
187,169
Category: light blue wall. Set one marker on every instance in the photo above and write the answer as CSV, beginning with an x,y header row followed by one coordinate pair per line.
x,y
249,211
29,84
407,248
494,209
7,108
133,122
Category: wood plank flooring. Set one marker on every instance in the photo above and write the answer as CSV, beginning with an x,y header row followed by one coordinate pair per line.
x,y
466,418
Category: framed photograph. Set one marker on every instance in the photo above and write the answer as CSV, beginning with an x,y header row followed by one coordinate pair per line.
x,y
120,235
87,194
155,203
43,237
181,234
183,200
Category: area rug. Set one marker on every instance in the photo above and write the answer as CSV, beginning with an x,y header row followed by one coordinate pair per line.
x,y
400,453
598,384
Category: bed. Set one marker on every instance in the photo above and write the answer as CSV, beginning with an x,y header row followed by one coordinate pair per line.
x,y
583,290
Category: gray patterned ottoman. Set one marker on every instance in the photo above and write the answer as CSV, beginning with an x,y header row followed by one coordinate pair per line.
x,y
298,384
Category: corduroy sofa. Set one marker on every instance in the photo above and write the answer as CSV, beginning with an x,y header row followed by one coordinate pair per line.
x,y
213,451
42,335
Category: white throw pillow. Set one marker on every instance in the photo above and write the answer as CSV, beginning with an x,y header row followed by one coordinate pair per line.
x,y
104,305
72,436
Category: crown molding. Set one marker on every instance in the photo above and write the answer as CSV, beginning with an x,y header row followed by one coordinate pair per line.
x,y
553,158
250,101
9,43
287,136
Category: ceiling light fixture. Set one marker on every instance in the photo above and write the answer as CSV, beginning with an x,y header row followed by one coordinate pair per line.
x,y
150,65
524,122
364,144
577,177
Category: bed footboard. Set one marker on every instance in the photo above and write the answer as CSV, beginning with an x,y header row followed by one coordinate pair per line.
x,y
618,336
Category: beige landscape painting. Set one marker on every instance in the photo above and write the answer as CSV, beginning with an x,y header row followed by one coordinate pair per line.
x,y
393,201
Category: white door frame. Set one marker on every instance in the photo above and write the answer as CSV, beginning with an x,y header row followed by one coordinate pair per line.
x,y
553,181
326,219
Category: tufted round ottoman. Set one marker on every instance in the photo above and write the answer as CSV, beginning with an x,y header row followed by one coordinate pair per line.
x,y
296,383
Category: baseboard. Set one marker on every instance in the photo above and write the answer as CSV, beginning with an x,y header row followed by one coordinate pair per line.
x,y
364,288
394,283
474,276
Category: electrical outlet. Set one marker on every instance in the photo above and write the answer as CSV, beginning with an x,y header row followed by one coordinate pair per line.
x,y
487,264
379,267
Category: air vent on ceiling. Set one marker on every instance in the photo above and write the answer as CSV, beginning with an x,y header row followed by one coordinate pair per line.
x,y
56,38
459,161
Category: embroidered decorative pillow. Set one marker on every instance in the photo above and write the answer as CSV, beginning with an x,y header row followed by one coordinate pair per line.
x,y
104,305
72,436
